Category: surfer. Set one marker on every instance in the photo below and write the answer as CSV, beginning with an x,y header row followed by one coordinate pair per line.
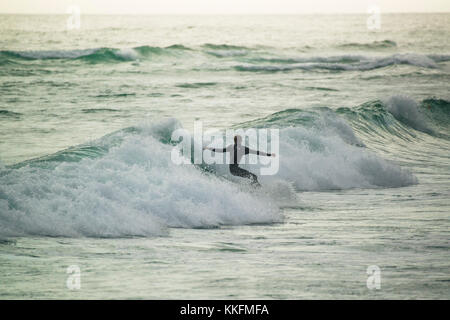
x,y
237,151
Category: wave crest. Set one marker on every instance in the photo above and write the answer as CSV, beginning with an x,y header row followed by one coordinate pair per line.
x,y
344,63
125,184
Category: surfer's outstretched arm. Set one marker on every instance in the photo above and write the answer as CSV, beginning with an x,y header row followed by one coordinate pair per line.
x,y
259,153
216,149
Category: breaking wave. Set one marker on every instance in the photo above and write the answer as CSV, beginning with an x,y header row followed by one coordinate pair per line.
x,y
125,183
245,59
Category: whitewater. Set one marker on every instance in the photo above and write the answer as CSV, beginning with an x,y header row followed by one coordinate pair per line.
x,y
86,177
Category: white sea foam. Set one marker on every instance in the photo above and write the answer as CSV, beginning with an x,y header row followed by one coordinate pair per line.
x,y
328,156
134,190
314,161
406,110
127,54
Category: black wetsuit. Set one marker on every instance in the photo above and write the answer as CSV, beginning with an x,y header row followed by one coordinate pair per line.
x,y
237,152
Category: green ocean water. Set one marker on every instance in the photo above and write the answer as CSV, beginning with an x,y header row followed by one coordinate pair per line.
x,y
86,178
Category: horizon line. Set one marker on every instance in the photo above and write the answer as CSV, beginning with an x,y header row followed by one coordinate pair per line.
x,y
224,14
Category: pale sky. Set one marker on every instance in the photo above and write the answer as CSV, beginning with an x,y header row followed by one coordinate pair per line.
x,y
221,6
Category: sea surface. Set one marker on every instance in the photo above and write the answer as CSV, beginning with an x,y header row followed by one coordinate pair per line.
x,y
86,177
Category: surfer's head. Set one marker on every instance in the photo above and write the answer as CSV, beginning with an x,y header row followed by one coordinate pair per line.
x,y
237,139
